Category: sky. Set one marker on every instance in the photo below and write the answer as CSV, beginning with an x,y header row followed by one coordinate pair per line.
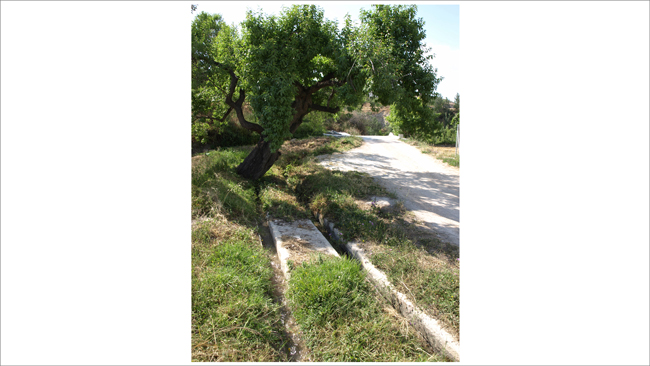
x,y
441,24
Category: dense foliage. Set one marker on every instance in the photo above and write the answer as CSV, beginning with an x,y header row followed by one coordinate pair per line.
x,y
437,126
286,66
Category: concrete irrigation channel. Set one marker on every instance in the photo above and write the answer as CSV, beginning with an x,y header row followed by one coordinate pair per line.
x,y
296,348
296,241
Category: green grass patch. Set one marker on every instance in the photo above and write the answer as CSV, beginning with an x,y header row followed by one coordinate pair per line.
x,y
452,160
234,317
341,318
278,187
335,194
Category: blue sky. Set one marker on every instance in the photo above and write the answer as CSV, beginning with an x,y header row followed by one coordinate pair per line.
x,y
442,27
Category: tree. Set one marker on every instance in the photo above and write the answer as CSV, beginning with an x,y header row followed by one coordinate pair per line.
x,y
287,66
205,29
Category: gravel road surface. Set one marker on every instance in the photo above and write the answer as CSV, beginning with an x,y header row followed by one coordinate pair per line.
x,y
428,187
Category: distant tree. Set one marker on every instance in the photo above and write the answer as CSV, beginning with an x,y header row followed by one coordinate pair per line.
x,y
290,65
443,111
457,103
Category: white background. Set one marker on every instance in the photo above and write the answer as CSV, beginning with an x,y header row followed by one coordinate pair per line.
x,y
96,183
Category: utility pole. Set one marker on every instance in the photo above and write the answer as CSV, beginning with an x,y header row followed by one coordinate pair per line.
x,y
457,138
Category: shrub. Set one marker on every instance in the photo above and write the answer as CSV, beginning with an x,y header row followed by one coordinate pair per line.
x,y
312,125
357,123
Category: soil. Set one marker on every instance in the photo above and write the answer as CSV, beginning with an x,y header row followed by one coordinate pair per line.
x,y
299,250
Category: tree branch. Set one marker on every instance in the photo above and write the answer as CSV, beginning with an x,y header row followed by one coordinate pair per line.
x,y
328,80
330,98
300,86
214,118
321,108
352,84
237,105
297,121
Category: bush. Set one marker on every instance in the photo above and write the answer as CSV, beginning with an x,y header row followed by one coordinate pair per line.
x,y
445,137
312,125
234,135
229,134
357,123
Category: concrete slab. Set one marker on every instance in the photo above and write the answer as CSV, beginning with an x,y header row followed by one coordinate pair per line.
x,y
297,241
427,326
336,134
382,202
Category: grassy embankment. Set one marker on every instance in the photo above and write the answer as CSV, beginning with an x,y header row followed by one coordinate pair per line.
x,y
341,316
414,259
234,317
446,154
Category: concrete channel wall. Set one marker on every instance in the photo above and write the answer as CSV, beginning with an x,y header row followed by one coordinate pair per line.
x,y
428,327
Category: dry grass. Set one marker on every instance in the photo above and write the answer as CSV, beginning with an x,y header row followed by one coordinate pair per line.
x,y
368,109
278,202
304,146
446,154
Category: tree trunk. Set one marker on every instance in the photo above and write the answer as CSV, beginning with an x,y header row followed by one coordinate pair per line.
x,y
258,162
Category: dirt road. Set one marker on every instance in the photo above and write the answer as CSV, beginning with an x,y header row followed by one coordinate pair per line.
x,y
428,187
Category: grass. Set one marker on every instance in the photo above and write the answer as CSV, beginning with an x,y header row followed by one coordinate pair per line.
x,y
234,315
216,187
431,283
446,154
278,186
342,320
414,259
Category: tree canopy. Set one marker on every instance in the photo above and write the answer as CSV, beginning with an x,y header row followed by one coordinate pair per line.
x,y
287,66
